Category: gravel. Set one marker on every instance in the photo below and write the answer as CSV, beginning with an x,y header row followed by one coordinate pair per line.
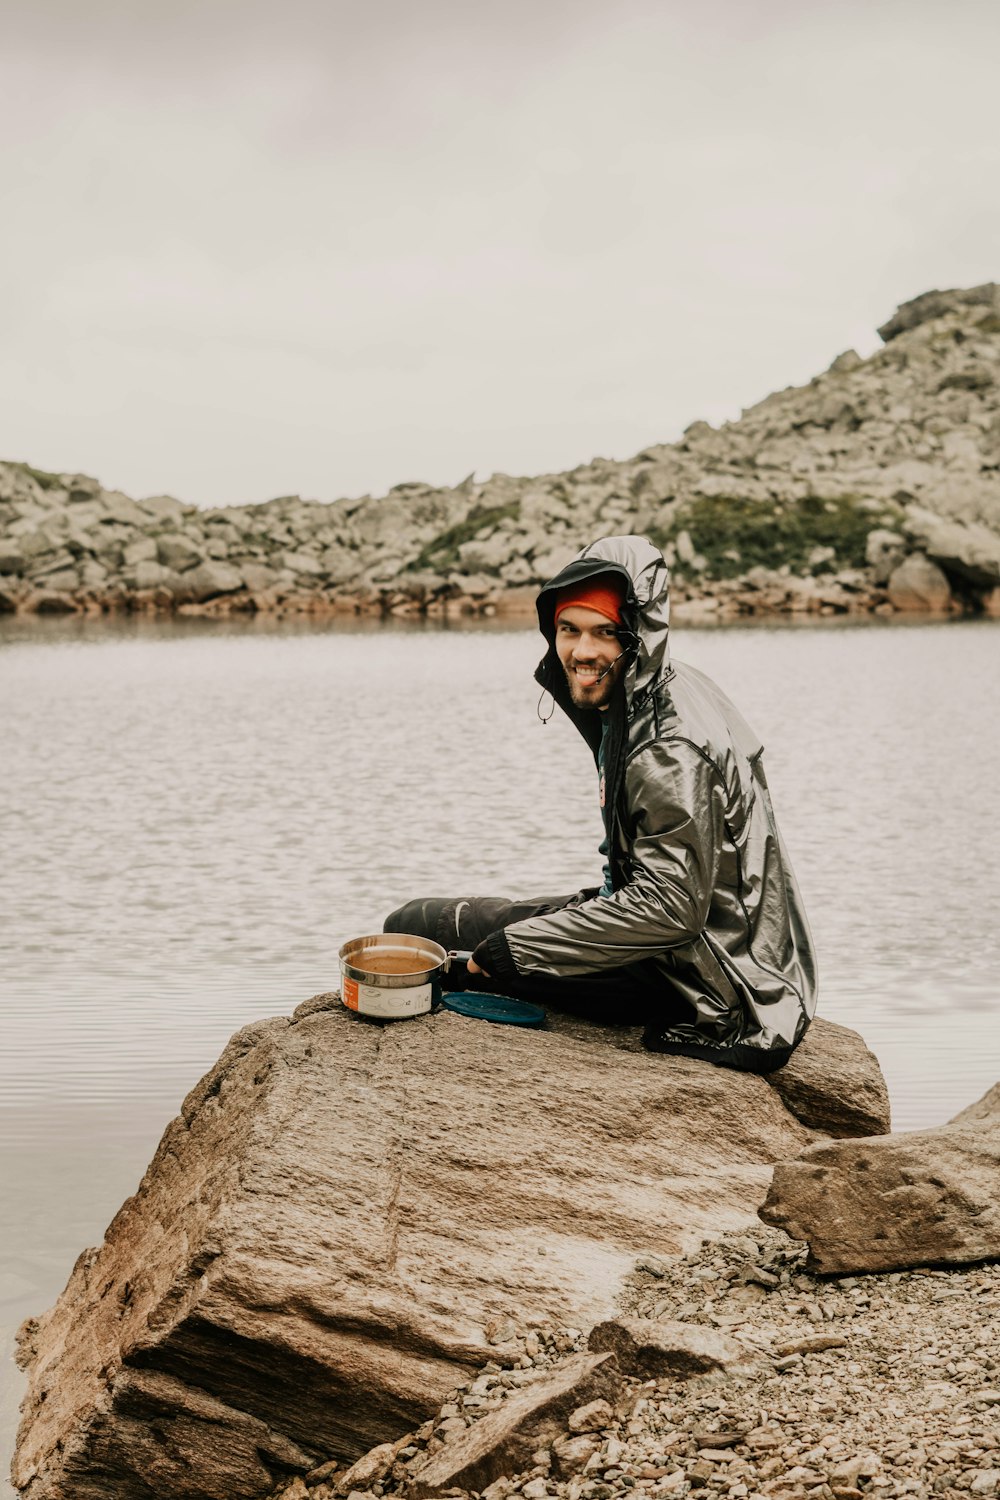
x,y
877,1385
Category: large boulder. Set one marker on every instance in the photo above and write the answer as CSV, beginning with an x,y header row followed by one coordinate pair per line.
x,y
969,550
340,1212
919,584
177,551
924,1197
938,305
12,557
210,578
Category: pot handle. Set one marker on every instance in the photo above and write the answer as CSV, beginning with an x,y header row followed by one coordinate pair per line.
x,y
457,956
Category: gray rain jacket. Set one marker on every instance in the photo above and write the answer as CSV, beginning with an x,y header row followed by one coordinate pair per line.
x,y
702,886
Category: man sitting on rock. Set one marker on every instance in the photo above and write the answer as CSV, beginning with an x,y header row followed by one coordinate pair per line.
x,y
698,932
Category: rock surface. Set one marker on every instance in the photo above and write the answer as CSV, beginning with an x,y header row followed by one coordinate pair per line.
x,y
920,1198
347,1218
807,505
832,1083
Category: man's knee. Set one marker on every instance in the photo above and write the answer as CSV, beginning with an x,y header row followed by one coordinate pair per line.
x,y
419,918
398,920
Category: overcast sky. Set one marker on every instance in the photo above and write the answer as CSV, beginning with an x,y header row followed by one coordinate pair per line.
x,y
253,249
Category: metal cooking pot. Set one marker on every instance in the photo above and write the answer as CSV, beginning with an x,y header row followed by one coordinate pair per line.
x,y
391,975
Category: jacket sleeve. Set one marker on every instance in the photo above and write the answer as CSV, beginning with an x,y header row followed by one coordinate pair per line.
x,y
676,799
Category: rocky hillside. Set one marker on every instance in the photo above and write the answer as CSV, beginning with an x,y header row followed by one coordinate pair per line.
x,y
876,487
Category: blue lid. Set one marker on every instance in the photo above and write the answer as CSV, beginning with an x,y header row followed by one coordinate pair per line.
x,y
497,1008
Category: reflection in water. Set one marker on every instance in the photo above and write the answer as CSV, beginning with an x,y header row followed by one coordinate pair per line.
x,y
196,815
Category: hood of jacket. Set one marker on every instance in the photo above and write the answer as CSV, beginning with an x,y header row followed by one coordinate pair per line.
x,y
644,633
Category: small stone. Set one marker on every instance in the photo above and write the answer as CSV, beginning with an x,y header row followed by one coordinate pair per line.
x,y
672,1482
451,1427
718,1439
761,1277
317,1476
652,1350
500,1330
535,1489
571,1454
498,1490
813,1344
593,1417
700,1473
371,1466
295,1491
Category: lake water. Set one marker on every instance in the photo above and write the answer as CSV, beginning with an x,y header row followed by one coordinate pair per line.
x,y
195,816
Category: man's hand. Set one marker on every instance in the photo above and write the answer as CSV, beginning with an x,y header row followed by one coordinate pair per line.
x,y
473,968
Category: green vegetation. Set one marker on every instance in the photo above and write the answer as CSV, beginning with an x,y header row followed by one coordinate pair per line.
x,y
734,534
41,477
441,554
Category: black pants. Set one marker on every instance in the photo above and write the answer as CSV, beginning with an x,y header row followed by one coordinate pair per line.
x,y
633,995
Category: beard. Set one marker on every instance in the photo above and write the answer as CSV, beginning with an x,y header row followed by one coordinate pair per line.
x,y
596,694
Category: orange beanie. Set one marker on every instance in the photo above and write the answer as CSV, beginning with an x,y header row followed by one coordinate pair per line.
x,y
605,595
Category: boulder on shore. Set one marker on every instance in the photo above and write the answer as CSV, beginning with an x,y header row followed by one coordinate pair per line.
x,y
919,584
923,1197
344,1213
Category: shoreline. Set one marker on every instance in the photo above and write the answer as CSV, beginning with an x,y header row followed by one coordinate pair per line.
x,y
872,490
776,597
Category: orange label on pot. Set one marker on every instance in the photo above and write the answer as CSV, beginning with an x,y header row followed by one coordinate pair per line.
x,y
350,994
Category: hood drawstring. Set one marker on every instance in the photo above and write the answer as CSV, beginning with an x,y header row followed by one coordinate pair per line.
x,y
544,718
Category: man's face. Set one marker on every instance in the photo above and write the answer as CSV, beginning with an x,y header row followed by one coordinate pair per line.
x,y
588,647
